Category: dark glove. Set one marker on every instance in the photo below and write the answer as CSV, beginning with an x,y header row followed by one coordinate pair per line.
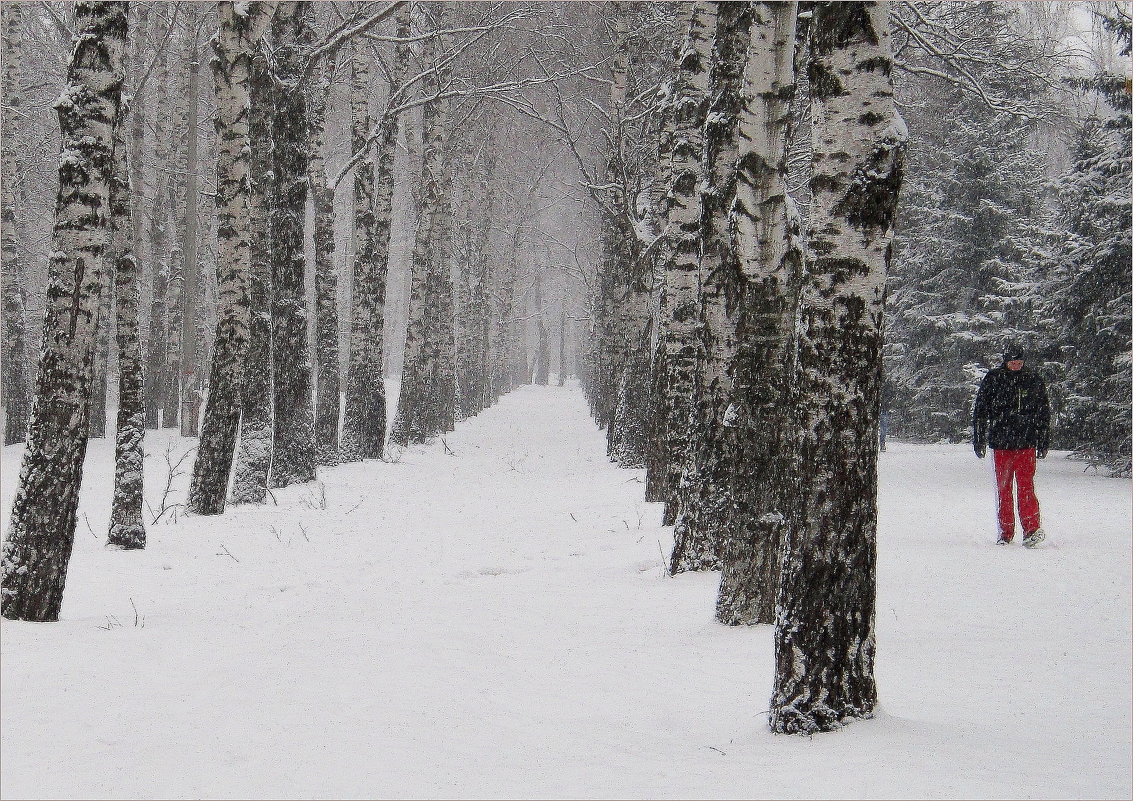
x,y
1042,453
980,448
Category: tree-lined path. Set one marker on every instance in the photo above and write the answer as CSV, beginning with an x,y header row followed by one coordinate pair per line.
x,y
491,616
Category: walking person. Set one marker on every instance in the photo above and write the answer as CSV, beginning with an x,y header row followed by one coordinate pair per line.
x,y
1012,417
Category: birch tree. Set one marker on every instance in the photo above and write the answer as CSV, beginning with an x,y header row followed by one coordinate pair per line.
x,y
766,246
293,452
157,358
703,497
240,28
16,383
127,529
364,420
189,374
416,408
675,363
42,526
253,462
824,620
326,279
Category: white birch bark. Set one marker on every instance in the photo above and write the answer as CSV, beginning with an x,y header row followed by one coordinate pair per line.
x,y
127,528
676,356
240,28
770,263
16,370
824,622
41,531
703,496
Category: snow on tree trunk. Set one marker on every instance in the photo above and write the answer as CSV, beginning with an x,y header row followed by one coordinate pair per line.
x,y
617,243
770,264
157,365
703,493
441,324
171,396
418,401
364,419
542,372
562,341
16,372
253,461
326,279
127,529
190,373
293,445
231,67
41,531
102,355
824,620
480,311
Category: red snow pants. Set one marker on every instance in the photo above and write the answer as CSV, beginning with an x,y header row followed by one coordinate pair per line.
x,y
1016,468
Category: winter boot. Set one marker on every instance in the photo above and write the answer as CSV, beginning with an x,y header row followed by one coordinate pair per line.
x,y
1034,538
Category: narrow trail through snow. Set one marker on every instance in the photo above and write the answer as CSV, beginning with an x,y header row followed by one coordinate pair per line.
x,y
489,616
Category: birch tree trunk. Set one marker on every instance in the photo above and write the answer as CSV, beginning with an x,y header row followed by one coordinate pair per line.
x,y
16,376
41,531
562,341
102,354
127,529
616,242
253,463
629,285
703,496
157,365
413,420
293,446
824,621
364,419
770,264
139,32
190,373
675,365
326,279
542,373
171,395
240,28
441,325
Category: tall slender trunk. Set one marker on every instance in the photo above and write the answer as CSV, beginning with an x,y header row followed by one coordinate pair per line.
x,y
364,418
127,529
190,376
41,531
171,395
703,496
293,445
231,67
137,122
562,341
253,462
675,361
157,364
770,263
441,325
412,422
16,375
542,372
824,621
100,382
326,279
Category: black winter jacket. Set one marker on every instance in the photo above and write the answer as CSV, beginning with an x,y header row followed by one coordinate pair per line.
x,y
1012,411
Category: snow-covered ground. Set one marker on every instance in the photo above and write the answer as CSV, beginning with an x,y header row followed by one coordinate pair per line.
x,y
492,619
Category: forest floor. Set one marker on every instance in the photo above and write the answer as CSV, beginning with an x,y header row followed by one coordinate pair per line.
x,y
490,617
